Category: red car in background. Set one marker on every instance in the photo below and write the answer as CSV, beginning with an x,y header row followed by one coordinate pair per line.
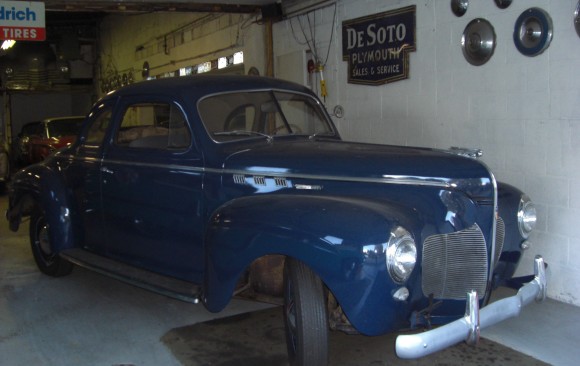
x,y
52,134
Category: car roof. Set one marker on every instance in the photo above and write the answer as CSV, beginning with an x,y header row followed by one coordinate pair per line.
x,y
197,86
28,124
74,118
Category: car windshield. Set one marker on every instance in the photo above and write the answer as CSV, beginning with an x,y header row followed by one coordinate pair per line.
x,y
242,115
64,127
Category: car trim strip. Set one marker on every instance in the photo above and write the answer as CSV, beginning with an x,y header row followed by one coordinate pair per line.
x,y
385,179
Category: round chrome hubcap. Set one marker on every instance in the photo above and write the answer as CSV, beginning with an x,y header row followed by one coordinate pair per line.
x,y
43,241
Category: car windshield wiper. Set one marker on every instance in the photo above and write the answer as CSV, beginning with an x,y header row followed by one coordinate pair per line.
x,y
242,133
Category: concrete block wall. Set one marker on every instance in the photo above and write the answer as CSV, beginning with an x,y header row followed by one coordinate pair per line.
x,y
522,111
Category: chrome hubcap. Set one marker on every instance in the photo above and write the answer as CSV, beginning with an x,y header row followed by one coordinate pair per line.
x,y
43,241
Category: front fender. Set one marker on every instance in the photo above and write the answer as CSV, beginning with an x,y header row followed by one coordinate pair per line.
x,y
508,203
329,234
39,186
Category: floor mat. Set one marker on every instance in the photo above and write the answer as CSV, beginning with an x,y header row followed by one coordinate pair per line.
x,y
258,339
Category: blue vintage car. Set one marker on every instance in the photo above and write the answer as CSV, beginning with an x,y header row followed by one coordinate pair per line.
x,y
206,187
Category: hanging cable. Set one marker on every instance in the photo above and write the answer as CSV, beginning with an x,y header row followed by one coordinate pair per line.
x,y
312,30
312,47
294,35
331,35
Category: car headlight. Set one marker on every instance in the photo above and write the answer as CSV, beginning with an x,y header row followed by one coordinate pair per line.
x,y
401,255
526,216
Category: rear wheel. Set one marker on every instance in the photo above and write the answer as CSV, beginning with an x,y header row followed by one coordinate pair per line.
x,y
47,261
305,316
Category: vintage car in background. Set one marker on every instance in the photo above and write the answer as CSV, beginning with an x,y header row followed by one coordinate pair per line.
x,y
49,135
204,188
4,166
20,145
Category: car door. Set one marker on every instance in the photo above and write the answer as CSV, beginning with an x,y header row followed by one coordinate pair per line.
x,y
152,179
83,176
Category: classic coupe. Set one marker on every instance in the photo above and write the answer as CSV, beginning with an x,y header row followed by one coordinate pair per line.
x,y
208,187
49,135
4,167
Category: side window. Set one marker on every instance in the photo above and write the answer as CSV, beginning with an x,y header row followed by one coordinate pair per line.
x,y
98,127
153,126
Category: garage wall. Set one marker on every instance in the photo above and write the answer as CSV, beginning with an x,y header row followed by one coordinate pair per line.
x,y
522,111
33,107
169,41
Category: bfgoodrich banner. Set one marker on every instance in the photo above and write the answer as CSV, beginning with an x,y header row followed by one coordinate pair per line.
x,y
377,46
22,21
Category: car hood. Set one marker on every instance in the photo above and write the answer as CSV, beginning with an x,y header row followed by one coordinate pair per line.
x,y
62,141
339,160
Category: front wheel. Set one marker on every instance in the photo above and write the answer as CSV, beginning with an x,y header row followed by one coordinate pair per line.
x,y
47,261
305,316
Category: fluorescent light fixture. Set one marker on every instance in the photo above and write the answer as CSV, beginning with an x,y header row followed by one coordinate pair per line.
x,y
7,44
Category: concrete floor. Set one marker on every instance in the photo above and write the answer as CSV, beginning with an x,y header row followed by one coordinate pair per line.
x,y
89,319
257,338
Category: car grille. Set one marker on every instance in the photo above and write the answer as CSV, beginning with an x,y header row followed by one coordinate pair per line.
x,y
454,264
499,239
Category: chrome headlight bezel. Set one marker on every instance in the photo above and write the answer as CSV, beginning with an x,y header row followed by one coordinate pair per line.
x,y
527,216
401,255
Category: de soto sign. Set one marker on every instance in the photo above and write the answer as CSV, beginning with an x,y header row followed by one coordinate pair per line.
x,y
22,21
377,47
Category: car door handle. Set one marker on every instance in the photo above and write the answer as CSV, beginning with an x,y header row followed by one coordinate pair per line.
x,y
104,169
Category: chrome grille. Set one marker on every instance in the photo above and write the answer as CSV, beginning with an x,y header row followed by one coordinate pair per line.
x,y
499,239
454,264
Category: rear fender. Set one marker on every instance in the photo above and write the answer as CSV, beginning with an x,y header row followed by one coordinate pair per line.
x,y
326,233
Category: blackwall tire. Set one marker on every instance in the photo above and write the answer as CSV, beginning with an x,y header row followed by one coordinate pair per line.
x,y
305,316
47,262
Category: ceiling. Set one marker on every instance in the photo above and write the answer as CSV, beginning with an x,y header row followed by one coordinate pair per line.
x,y
107,6
82,16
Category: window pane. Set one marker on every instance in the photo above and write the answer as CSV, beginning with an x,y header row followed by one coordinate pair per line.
x,y
153,126
64,127
179,135
302,114
98,128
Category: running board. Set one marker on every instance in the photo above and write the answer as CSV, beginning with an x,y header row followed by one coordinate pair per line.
x,y
168,286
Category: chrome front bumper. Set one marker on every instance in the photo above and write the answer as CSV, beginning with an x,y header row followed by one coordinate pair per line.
x,y
467,328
